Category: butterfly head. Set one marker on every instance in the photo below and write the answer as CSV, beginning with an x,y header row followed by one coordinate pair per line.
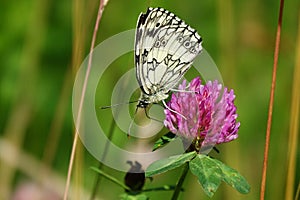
x,y
142,104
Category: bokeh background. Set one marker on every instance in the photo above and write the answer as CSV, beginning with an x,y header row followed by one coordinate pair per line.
x,y
42,44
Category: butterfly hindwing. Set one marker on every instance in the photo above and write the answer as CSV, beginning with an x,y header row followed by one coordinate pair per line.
x,y
165,48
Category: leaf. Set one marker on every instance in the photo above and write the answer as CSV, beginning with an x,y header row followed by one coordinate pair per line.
x,y
170,163
233,178
165,139
126,196
208,173
211,172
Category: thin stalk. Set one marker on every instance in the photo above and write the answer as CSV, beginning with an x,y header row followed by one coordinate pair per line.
x,y
99,16
163,188
298,192
294,126
178,187
271,103
98,179
111,178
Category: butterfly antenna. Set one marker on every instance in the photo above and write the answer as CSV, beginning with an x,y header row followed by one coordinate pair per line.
x,y
174,111
105,107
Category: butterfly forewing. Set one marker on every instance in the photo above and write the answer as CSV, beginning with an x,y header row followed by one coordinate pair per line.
x,y
165,48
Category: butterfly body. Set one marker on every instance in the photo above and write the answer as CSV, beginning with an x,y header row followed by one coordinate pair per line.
x,y
146,99
165,47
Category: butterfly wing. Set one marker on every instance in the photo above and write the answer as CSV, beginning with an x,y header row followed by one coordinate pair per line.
x,y
165,48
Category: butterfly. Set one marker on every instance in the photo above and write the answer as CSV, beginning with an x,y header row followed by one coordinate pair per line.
x,y
165,47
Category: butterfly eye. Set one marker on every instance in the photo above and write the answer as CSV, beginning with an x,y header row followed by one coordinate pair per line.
x,y
157,25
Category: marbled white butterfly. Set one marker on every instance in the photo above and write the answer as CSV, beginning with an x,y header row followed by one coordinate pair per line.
x,y
165,47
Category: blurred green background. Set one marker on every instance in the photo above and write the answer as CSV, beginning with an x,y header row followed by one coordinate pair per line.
x,y
42,44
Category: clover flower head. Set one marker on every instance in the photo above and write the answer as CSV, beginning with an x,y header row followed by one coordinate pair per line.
x,y
202,111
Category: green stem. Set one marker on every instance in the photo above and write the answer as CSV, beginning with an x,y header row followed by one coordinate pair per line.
x,y
163,188
111,178
96,27
180,181
98,179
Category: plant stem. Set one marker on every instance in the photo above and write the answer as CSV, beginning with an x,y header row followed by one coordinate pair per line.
x,y
111,178
98,179
180,181
294,125
163,188
271,103
78,120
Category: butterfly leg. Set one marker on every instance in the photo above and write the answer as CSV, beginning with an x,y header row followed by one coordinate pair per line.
x,y
174,111
131,123
187,91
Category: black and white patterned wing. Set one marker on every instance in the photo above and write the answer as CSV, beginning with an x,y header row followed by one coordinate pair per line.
x,y
165,47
